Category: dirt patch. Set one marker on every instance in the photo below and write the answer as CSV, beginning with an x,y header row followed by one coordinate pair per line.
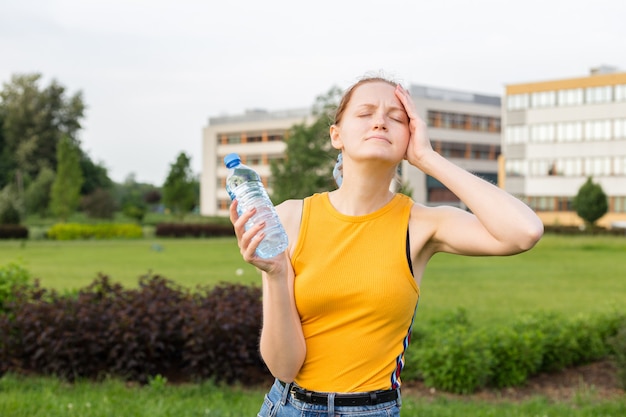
x,y
596,380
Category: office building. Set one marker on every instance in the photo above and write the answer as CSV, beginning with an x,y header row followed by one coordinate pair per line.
x,y
557,134
464,127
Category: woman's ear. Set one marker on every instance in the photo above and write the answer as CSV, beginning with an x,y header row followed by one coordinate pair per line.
x,y
335,137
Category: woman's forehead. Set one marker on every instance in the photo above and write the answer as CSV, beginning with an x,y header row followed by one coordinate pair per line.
x,y
373,93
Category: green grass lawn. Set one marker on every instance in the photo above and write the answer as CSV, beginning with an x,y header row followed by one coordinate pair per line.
x,y
48,397
568,274
66,265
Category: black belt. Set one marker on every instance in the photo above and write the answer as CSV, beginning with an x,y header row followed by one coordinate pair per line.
x,y
356,399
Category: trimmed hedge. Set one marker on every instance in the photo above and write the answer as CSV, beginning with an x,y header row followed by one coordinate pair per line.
x,y
72,231
158,328
13,231
460,358
162,329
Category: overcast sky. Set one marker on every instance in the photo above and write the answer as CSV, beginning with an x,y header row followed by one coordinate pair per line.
x,y
153,72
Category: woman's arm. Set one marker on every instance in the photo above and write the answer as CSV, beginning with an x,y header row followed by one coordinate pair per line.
x,y
499,224
282,342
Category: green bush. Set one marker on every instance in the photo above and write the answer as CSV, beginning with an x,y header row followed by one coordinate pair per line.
x,y
590,339
12,276
517,354
450,355
558,340
71,231
617,344
457,359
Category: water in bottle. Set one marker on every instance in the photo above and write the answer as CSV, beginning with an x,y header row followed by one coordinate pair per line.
x,y
244,185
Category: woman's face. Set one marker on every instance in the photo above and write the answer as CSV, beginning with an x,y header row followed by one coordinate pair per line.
x,y
374,124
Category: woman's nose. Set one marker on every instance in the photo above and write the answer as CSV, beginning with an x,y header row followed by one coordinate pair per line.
x,y
379,122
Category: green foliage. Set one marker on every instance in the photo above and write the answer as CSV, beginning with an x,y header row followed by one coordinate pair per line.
x,y
34,120
180,190
12,276
452,355
65,194
95,175
309,157
517,355
617,344
72,231
157,329
591,202
134,212
10,206
37,195
99,204
457,359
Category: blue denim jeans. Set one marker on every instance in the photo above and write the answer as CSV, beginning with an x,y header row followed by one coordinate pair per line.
x,y
279,402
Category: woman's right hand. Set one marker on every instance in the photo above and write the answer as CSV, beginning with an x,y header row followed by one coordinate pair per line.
x,y
249,240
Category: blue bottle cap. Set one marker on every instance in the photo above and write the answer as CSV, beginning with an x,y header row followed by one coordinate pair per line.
x,y
231,160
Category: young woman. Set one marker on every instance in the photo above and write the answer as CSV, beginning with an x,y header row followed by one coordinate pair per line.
x,y
338,304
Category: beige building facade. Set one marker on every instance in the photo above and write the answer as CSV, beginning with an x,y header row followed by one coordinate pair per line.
x,y
559,133
464,127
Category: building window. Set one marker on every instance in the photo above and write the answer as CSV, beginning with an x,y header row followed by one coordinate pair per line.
x,y
619,166
541,203
453,149
598,130
598,167
571,97
254,138
517,101
620,92
542,133
254,160
481,151
619,129
619,204
516,134
572,167
543,99
598,94
541,167
569,132
233,138
515,168
462,121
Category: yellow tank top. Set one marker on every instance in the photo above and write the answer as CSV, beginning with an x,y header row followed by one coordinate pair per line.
x,y
355,294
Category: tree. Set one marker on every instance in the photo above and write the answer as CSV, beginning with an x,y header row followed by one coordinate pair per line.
x,y
33,122
95,175
37,195
65,194
591,202
180,190
309,157
99,204
10,206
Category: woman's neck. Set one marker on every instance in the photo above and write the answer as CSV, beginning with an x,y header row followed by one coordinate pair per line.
x,y
361,194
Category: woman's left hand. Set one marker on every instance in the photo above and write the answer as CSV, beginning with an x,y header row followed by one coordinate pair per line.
x,y
419,145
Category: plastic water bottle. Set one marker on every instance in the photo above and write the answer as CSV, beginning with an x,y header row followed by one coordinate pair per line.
x,y
244,184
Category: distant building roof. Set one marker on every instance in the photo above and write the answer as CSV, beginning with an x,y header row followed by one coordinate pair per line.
x,y
436,93
254,115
